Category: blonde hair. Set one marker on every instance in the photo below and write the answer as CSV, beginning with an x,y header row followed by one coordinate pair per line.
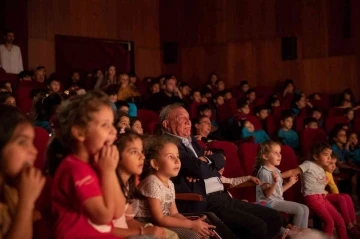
x,y
264,148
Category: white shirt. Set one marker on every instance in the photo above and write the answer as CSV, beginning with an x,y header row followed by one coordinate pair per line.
x,y
265,176
313,178
11,61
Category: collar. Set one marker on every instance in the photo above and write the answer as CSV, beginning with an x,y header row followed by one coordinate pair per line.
x,y
269,169
189,140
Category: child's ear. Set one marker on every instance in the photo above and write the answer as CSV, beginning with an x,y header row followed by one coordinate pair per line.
x,y
315,157
78,133
281,122
265,157
154,164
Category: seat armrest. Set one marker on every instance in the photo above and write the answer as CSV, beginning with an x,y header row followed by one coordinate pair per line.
x,y
246,184
189,197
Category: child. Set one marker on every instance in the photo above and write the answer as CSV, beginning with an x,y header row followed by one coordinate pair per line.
x,y
130,165
220,85
21,183
227,95
6,85
313,188
349,114
248,130
242,108
206,110
289,87
7,98
154,87
123,121
219,99
86,194
136,125
299,105
162,163
272,188
112,91
341,201
244,86
287,135
354,147
262,112
53,85
250,96
311,123
317,114
122,106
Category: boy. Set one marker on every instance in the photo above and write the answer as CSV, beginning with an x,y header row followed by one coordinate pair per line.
x,y
251,96
219,99
227,95
122,106
349,114
112,92
317,114
262,112
310,123
287,135
220,85
206,110
53,85
243,108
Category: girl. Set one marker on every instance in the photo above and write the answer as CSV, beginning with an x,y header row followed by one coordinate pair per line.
x,y
342,201
110,76
130,165
162,164
123,122
20,182
136,126
7,98
272,188
86,194
248,130
313,188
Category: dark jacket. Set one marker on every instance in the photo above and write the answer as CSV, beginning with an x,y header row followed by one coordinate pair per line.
x,y
193,167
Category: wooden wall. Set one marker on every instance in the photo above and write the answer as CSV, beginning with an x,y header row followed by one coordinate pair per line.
x,y
241,39
130,20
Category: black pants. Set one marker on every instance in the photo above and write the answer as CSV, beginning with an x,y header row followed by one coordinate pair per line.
x,y
246,220
212,219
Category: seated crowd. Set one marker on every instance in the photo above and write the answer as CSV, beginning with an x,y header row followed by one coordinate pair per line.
x,y
124,158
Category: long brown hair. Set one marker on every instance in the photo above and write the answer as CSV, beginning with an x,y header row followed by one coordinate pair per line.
x,y
264,149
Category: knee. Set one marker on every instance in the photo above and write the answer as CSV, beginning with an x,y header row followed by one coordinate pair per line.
x,y
329,222
306,209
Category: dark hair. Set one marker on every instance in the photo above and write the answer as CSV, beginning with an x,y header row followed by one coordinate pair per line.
x,y
183,84
133,120
153,82
335,131
297,98
309,120
314,109
347,110
241,103
168,78
121,103
128,188
317,148
24,74
334,156
112,90
45,106
217,95
348,92
249,91
152,147
286,114
272,99
194,91
4,96
260,108
210,76
288,82
3,83
218,81
7,31
312,96
243,82
10,119
52,78
197,121
203,108
40,68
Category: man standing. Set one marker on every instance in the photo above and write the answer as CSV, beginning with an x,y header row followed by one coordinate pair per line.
x,y
10,55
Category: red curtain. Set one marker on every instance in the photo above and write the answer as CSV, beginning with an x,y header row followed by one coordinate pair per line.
x,y
87,54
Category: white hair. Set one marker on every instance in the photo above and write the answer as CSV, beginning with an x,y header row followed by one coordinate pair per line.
x,y
167,110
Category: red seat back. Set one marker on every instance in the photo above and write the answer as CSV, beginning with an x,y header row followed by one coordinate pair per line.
x,y
332,121
336,112
23,99
308,137
193,110
271,126
299,123
147,117
41,142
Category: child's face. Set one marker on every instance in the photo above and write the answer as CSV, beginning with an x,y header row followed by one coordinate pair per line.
x,y
251,96
124,122
19,152
301,103
324,158
54,86
312,125
203,128
168,161
137,127
341,137
155,88
10,101
132,158
133,79
276,103
112,71
245,110
350,115
124,109
206,113
353,139
185,90
100,130
196,97
249,126
221,86
8,86
317,115
228,96
288,123
290,88
219,100
113,98
263,114
245,87
347,97
317,97
274,156
332,166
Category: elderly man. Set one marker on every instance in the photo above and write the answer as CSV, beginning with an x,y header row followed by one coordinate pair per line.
x,y
199,174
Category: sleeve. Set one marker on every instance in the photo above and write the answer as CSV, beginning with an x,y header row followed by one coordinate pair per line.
x,y
332,185
305,166
86,183
265,176
21,67
235,181
151,189
193,167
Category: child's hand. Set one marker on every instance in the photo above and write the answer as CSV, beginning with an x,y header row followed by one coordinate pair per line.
x,y
255,180
108,158
208,152
275,177
157,232
202,228
31,183
293,179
